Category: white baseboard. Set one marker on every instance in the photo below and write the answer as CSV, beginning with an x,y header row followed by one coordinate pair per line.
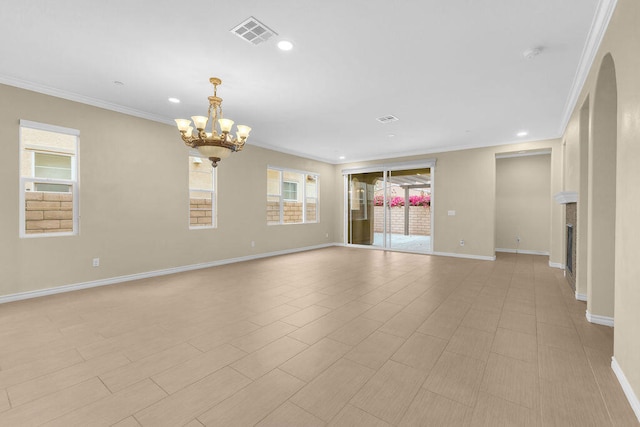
x,y
148,274
556,265
626,387
600,320
468,256
522,251
581,297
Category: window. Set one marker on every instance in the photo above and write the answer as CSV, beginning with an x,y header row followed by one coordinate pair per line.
x,y
202,196
48,180
292,197
290,191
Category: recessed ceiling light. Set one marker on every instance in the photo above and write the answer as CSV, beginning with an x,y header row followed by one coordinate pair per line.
x,y
342,157
285,45
174,100
522,133
392,135
118,82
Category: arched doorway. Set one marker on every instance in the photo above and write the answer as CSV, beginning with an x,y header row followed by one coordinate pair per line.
x,y
602,197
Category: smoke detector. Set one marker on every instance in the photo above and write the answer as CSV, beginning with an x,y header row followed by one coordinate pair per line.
x,y
529,54
387,119
253,31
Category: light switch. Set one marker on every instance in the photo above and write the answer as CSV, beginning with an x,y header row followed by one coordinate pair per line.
x,y
451,213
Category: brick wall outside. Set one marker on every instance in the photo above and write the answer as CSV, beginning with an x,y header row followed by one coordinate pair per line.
x,y
48,212
312,213
200,213
419,220
292,212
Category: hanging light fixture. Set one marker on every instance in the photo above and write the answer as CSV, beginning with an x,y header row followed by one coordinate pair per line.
x,y
215,145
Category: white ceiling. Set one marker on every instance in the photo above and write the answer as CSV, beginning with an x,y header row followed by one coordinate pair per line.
x,y
452,71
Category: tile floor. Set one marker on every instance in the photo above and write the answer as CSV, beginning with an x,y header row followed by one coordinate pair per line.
x,y
338,336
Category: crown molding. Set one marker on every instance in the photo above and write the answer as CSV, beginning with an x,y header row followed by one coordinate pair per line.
x,y
599,26
58,93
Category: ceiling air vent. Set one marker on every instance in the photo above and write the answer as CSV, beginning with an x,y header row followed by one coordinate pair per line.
x,y
253,31
387,119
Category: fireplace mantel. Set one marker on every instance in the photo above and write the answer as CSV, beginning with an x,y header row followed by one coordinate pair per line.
x,y
565,197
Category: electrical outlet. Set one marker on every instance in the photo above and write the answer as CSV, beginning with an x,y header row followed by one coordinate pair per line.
x,y
518,239
461,242
96,262
326,235
253,244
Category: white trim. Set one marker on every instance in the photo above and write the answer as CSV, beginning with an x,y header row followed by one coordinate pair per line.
x,y
468,256
556,265
523,154
432,226
149,274
23,84
49,128
599,26
581,297
440,149
284,150
565,197
345,208
600,320
626,387
385,167
522,251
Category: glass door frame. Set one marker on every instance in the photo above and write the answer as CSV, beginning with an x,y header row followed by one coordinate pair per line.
x,y
385,169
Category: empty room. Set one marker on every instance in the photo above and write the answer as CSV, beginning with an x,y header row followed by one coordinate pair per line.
x,y
392,214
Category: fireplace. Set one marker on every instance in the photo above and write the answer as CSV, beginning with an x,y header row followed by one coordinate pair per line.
x,y
571,244
569,265
570,200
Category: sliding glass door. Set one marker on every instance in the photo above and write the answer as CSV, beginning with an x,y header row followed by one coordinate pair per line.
x,y
361,209
390,209
409,210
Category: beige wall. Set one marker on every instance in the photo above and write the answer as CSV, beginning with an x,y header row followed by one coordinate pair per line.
x,y
622,41
134,200
465,181
523,203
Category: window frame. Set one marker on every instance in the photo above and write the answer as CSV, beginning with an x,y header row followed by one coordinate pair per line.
x,y
283,191
213,191
74,182
304,195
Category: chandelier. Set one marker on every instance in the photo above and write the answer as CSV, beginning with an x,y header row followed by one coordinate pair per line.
x,y
215,145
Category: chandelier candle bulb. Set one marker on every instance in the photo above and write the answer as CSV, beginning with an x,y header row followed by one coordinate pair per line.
x,y
200,122
183,124
225,125
243,131
216,146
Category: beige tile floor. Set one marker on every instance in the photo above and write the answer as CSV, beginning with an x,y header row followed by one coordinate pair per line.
x,y
339,336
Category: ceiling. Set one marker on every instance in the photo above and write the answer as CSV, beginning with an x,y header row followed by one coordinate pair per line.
x,y
452,72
